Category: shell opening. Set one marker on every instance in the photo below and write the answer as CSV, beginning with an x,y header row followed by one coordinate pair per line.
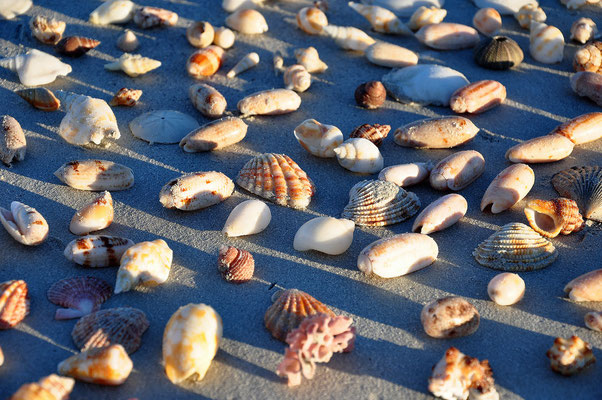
x,y
545,222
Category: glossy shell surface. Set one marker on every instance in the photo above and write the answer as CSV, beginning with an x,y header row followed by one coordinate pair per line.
x,y
448,36
145,264
406,174
318,139
325,234
487,21
247,218
375,133
359,155
205,62
95,175
24,223
269,102
547,43
390,55
582,129
506,289
478,97
97,250
94,216
542,149
40,98
113,12
457,171
436,133
508,188
196,190
247,21
440,214
311,20
215,135
207,100
586,287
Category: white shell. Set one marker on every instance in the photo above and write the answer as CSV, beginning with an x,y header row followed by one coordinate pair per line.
x,y
9,9
163,126
269,102
311,20
426,16
128,41
247,21
146,263
97,250
94,216
108,365
390,55
36,67
359,155
457,171
508,188
505,7
233,5
310,59
113,12
196,190
297,78
245,63
405,175
348,37
546,43
506,289
441,214
325,234
405,8
223,37
95,175
247,218
575,4
133,64
24,223
448,36
583,30
318,139
528,13
381,19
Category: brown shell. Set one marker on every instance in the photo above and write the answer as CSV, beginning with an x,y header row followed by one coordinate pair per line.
x,y
47,30
76,46
551,217
584,185
498,53
374,133
370,95
126,97
41,98
449,317
588,58
235,265
79,295
14,303
588,84
150,17
569,356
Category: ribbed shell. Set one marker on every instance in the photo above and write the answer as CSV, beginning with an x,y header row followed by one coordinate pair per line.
x,y
150,17
297,78
97,250
79,295
14,303
95,175
13,144
374,133
41,98
584,185
289,309
278,178
126,97
551,217
515,247
235,265
51,387
76,46
205,62
498,53
196,190
588,58
379,203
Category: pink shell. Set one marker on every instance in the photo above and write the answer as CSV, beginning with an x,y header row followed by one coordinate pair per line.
x,y
80,296
14,303
236,265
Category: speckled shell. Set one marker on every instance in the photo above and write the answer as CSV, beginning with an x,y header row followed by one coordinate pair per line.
x,y
151,17
593,320
498,53
200,34
551,217
145,264
162,126
297,78
24,223
224,38
586,287
542,149
406,174
448,36
440,214
94,216
109,365
269,102
248,22
515,247
113,12
588,58
14,303
40,98
311,20
126,97
51,387
478,97
325,234
79,295
133,64
546,43
457,171
190,341
584,185
215,135
290,307
506,289
76,46
583,30
318,139
449,317
310,59
528,13
47,30
570,356
35,67
97,250
436,133
374,133
359,155
348,37
247,62
95,175
508,188
13,144
235,265
123,325
426,16
487,21
588,84
278,178
582,129
196,190
128,41
247,218
390,55
381,19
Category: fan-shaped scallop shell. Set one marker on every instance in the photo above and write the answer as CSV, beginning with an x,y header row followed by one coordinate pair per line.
x,y
588,58
290,307
97,250
123,325
47,30
126,97
498,53
41,98
311,20
374,133
109,365
247,21
133,64
51,387
196,190
551,217
79,295
205,62
150,17
24,223
528,13
95,175
235,265
13,144
584,185
75,46
14,303
515,247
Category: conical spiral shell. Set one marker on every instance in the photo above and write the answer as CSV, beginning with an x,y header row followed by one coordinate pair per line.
x,y
205,62
79,295
95,175
133,64
311,20
47,30
109,365
588,58
374,133
146,264
94,216
584,185
583,30
196,190
13,144
126,97
245,63
310,59
235,265
551,217
348,37
41,98
546,43
24,223
498,53
14,303
381,19
359,155
297,78
75,46
51,387
128,41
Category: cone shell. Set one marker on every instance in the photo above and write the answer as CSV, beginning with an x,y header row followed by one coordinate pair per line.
x,y
390,55
498,53
546,43
190,341
94,216
76,46
570,356
448,36
133,64
97,250
47,30
146,264
586,287
311,20
318,139
248,22
551,217
457,171
406,174
584,185
588,84
36,68
488,21
128,41
289,309
374,133
14,303
515,247
542,149
381,19
310,59
278,178
269,102
51,387
508,188
478,97
224,38
41,98
205,62
24,223
247,218
215,135
247,62
13,144
95,175
151,17
370,95
235,265
359,155
506,289
348,37
123,325
80,296
436,133
196,190
449,317
593,320
113,12
528,13
588,58
126,97
207,100
109,365
297,78
583,30
440,214
325,234
200,34
426,16
583,129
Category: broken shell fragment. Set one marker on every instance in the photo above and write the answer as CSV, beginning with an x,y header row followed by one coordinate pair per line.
x,y
528,13
146,264
440,214
583,30
508,188
457,171
94,216
318,139
297,78
406,174
126,97
245,63
51,387
80,296
97,250
109,365
487,21
36,68
586,287
151,17
325,234
390,55
207,100
552,217
588,84
247,218
374,133
588,58
162,126
235,265
584,185
370,95
215,135
498,53
310,59
448,36
200,34
506,289
381,19
13,144
47,30
128,41
269,102
41,98
76,46
426,16
196,190
248,22
478,97
311,20
133,65
436,133
113,12
593,320
14,303
348,37
546,43
24,223
359,155
449,317
224,38
542,149
582,129
95,175
570,356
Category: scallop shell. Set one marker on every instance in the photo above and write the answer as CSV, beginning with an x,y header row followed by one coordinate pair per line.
x,y
310,59
440,214
235,265
126,97
247,218
374,133
379,203
41,98
542,149
448,36
297,78
582,129
123,325
97,250
498,53
278,178
436,133
24,223
133,65
311,20
47,30
588,84
145,264
80,296
109,365
95,175
247,62
94,216
14,303
584,185
13,144
528,13
348,37
113,12
75,46
515,247
215,135
390,55
359,155
163,126
381,19
248,22
508,188
583,30
478,97
290,307
425,16
51,387
318,139
35,67
406,174
457,171
190,341
196,190
570,356
593,320
405,8
370,95
269,102
551,217
9,9
151,17
586,287
546,43
449,317
205,62
325,234
224,38
506,289
487,21
128,41
200,34
588,58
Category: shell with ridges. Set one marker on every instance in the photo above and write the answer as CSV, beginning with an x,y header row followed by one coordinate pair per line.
x,y
35,67
247,218
448,36
374,133
528,13
457,171
546,43
498,53
126,97
41,98
311,20
586,287
440,214
24,223
109,365
426,16
582,129
310,59
570,356
200,34
79,295
47,30
583,30
508,188
150,17
436,133
318,139
348,37
145,264
584,185
390,55
128,41
51,387
325,234
449,317
247,62
162,126
541,149
113,12
359,155
95,175
588,58
381,19
208,100
551,217
224,37
593,320
269,102
248,22
506,289
14,303
196,190
94,216
487,21
478,97
97,250
13,144
75,46
297,78
588,84
133,64
215,135
406,174
235,265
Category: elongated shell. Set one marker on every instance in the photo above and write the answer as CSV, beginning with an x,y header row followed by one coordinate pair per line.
x,y
310,59
508,188
235,265
588,58
359,155
51,387
478,97
215,135
311,20
487,21
325,234
381,19
162,126
36,68
440,214
449,317
113,12
528,13
426,16
97,250
570,356
586,287
94,216
406,174
196,190
247,62
457,171
390,55
150,17
584,185
146,264
224,38
247,218
13,144
546,43
582,129
542,149
436,133
41,98
47,30
506,289
498,53
14,303
318,139
551,217
109,365
95,175
583,30
515,247
297,78
588,84
448,36
348,37
75,46
374,133
80,296
126,97
205,98
248,22
128,41
205,62
133,64
24,223
200,34
269,102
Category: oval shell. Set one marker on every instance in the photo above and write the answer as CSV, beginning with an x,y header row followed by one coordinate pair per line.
x,y
51,387
426,16
80,296
440,214
13,144
325,234
508,188
146,264
498,53
584,185
318,139
374,133
113,12
588,84
487,21
41,98
162,126
128,41
95,175
126,97
14,303
370,95
76,46
551,217
24,223
311,20
151,17
381,19
269,102
247,218
406,174
586,287
546,43
506,289
94,216
593,320
224,38
528,13
205,62
109,365
200,34
235,265
310,59
448,36
47,30
582,129
196,190
449,317
570,356
359,155
97,250
436,133
542,149
215,135
478,97
133,64
348,37
457,171
248,22
390,55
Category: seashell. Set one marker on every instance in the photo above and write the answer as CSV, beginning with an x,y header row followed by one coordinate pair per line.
x,y
370,95
289,308
515,247
76,46
426,16
310,59
449,317
245,63
311,20
233,5
348,37
424,84
406,174
94,216
162,126
390,55
405,8
123,325
215,135
95,175
269,102
297,78
457,171
133,65
436,133
318,139
508,188
478,97
1,357
97,250
570,356
128,41
593,320
51,387
223,38
277,62
440,214
542,149
190,341
113,12
583,30
247,218
24,223
151,17
41,98
80,296
528,13
506,289
374,133
325,234
14,303
126,97
109,365
144,264
9,9
546,43
582,129
487,21
551,217
359,155
498,53
200,34
588,58
586,287
398,255
574,4
196,190
278,178
36,67
13,144
448,36
205,62
584,185
505,7
248,22
47,30
235,265
381,19
588,84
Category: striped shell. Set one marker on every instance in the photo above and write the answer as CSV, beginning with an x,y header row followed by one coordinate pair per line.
x,y
448,36
515,247
269,102
40,98
133,64
24,223
546,43
508,188
47,30
126,97
196,190
208,100
76,46
200,34
586,287
426,16
457,171
95,175
318,139
290,307
593,320
381,19
348,37
370,95
436,133
311,20
379,203
235,265
51,387
570,356
97,250
215,135
14,303
94,216
551,217
588,84
13,144
374,133
80,296
488,21
145,264
247,21
582,129
151,17
588,58
528,13
278,178
109,365
498,53
205,62
478,97
297,78
584,185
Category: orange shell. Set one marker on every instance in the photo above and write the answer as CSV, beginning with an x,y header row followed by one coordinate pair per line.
x,y
51,387
588,58
235,265
374,133
126,97
569,356
551,217
205,62
41,98
75,46
477,97
14,303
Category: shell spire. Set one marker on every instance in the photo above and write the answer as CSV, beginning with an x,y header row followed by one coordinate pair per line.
x,y
552,217
247,62
348,37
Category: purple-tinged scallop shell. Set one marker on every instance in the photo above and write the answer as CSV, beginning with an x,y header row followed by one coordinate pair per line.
x,y
14,303
235,265
584,185
80,296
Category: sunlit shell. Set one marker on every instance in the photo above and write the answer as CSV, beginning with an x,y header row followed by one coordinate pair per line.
x,y
310,59
406,174
588,84
80,296
14,303
498,53
248,22
269,102
109,365
208,100
205,62
196,190
247,62
506,289
370,95
133,64
348,37
552,217
381,19
440,214
162,126
233,5
47,30
35,67
505,7
457,171
448,36
128,41
570,356
1,357
374,133
318,139
200,34
582,129
575,4
515,247
290,307
478,97
235,265
405,8
297,78
215,135
13,144
528,13
9,9
94,216
311,20
278,178
124,326
247,218
126,97
426,16
436,133
51,387
325,234
145,264
75,46
277,62
583,30
584,185
541,149
508,188
24,223
41,98
593,320
113,12
151,17
224,38
586,287
487,21
449,317
588,58
97,250
359,155
390,55
95,175
546,43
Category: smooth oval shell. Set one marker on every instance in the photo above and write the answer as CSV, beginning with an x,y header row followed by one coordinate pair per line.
x,y
196,190
235,265
546,43
113,12
440,214
318,139
310,59
508,188
584,185
128,41
224,38
381,19
487,21
205,62
552,217
325,234
405,8
406,174
506,289
570,356
528,13
348,37
41,98
133,65
145,263
593,320
95,175
79,295
586,287
248,21
47,30
97,250
436,133
311,20
390,55
370,95
588,84
542,149
582,129
24,223
449,317
36,68
162,126
215,135
426,16
151,17
359,155
247,218
478,97
233,5
448,36
109,365
504,7
457,171
94,216
13,144
76,46
374,133
14,303
269,102
126,97
297,78
498,53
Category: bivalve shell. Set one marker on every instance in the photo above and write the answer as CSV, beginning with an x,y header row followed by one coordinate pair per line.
x,y
94,216
113,12
381,19
215,135
478,97
542,149
133,64
348,37
128,41
448,36
426,16
498,53
584,185
325,234
248,22
588,58
370,95
506,289
375,133
80,296
583,30
51,387
528,13
318,139
311,20
151,17
224,38
205,62
570,356
13,144
235,265
247,62
487,21
269,102
162,126
359,155
449,317
109,365
126,97
508,188
440,214
247,218
586,287
14,303
95,175
196,190
36,68
390,55
551,217
24,223
582,129
47,30
297,78
588,84
41,98
593,320
436,133
310,59
406,174
457,171
97,250
146,264
76,46
546,43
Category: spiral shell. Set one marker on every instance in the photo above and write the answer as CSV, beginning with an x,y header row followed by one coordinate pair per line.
x,y
449,317
541,149
370,95
47,30
36,68
374,133
109,365
528,13
348,37
126,97
80,296
146,264
457,171
151,17
215,135
588,84
546,43
436,133
224,38
95,175
381,19
584,185
570,356
582,129
325,234
247,218
310,59
196,190
440,214
508,188
128,41
235,265
390,55
318,139
133,65
487,21
498,53
406,174
205,62
478,97
588,58
506,289
24,223
311,20
552,217
51,387
426,16
75,46
14,303
448,36
359,155
41,98
94,216
247,62
583,30
248,22
586,287
297,78
13,144
269,102
113,12
97,250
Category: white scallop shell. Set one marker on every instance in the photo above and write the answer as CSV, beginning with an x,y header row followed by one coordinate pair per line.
x,y
247,218
546,43
508,188
325,234
404,175
36,67
359,155
318,139
505,7
441,214
163,126
113,12
9,9
426,16
348,37
133,64
405,8
24,223
146,263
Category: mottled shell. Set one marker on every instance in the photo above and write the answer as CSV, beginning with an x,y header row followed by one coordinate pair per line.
x,y
297,78
95,175
311,20
97,250
248,22
588,84
278,178
269,102
370,95
582,129
128,41
35,67
123,325
76,46
359,155
14,303
406,174
552,217
448,36
190,341
440,214
247,218
528,13
593,320
348,37
126,97
235,265
51,387
80,296
584,185
426,16
310,59
109,365
41,98
224,38
546,43
146,264
133,64
94,216
381,19
325,234
449,317
515,247
374,133
113,12
570,356
487,21
196,190
436,133
586,287
200,34
13,144
588,58
162,126
478,97
506,289
24,223
318,139
47,30
290,307
542,149
498,53
583,30
508,188
247,62
151,17
215,135
390,55
457,171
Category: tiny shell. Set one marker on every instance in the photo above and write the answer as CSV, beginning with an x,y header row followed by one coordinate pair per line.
x,y
196,190
487,21
325,234
146,264
546,43
80,296
215,135
162,126
588,84
247,62
269,102
247,218
151,17
449,317
277,62
311,20
24,223
436,133
584,185
97,250
506,289
478,97
51,387
593,320
374,133
381,19
113,12
583,30
297,78
359,155
200,34
440,214
75,46
318,139
390,55
133,65
235,265
14,303
248,22
406,174
41,98
508,188
207,100
13,144
126,97
95,175
586,287
47,30
1,357
370,95
224,38
542,149
348,37
426,16
448,36
94,216
109,365
498,53
36,68
528,13
582,129
570,356
549,218
128,41
457,171
588,58
310,59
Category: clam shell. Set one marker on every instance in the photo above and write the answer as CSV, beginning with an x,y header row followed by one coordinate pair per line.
x,y
584,185
269,102
542,149
14,303
146,264
582,129
551,217
528,13
97,250
359,155
200,34
224,38
247,218
13,144
390,55
196,190
588,84
24,223
95,175
457,171
47,30
381,19
487,21
506,289
436,133
94,216
546,43
151,17
583,30
570,356
348,37
508,188
113,12
126,97
235,265
370,95
478,97
133,64
448,36
310,59
76,46
586,287
163,126
498,53
207,100
440,214
215,135
109,365
248,22
406,174
128,41
588,58
515,247
325,234
297,78
593,320
449,317
374,133
247,62
426,16
41,98
36,68
318,139
80,296
51,387
311,20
